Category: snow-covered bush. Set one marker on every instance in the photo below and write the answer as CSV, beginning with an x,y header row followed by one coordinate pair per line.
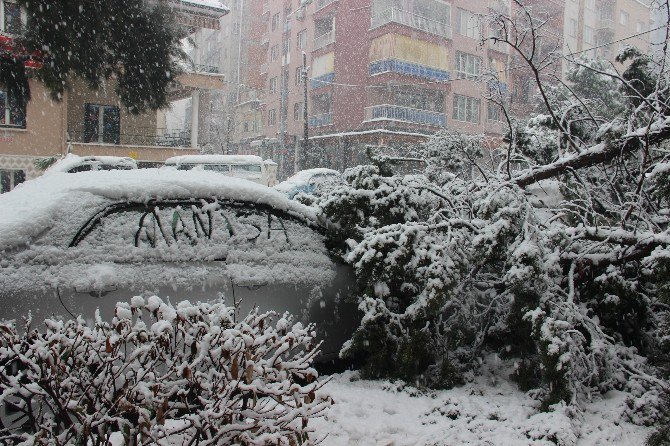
x,y
450,272
158,371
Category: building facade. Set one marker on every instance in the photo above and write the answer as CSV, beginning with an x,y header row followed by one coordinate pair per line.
x,y
387,71
86,122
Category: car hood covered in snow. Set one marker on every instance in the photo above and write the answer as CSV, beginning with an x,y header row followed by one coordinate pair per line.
x,y
35,206
144,228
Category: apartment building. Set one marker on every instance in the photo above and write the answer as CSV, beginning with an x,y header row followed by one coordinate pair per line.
x,y
393,72
86,122
599,27
572,29
380,72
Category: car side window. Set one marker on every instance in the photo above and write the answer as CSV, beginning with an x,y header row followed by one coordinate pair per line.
x,y
81,168
217,168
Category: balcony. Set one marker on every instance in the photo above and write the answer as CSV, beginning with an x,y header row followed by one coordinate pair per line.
x,y
320,4
321,120
606,23
323,81
209,69
140,136
324,39
500,47
388,112
408,69
396,15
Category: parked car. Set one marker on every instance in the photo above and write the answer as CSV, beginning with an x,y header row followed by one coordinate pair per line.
x,y
308,181
71,244
249,167
74,164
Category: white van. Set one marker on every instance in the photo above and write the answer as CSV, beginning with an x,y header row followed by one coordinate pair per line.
x,y
249,167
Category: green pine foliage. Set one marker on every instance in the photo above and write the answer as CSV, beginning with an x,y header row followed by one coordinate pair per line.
x,y
128,43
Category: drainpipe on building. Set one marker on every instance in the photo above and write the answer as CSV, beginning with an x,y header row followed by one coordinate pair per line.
x,y
195,102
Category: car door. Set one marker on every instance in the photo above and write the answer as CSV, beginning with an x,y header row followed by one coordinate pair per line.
x,y
245,253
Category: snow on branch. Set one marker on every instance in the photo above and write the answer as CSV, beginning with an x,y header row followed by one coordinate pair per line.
x,y
597,154
188,373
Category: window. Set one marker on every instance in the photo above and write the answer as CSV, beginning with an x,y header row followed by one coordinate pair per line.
x,y
102,124
639,27
272,117
624,18
9,179
274,53
297,111
12,113
589,36
298,75
493,112
275,21
302,39
466,109
573,27
468,24
11,18
273,85
467,65
286,48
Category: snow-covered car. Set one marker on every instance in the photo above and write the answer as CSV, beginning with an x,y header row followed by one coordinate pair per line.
x,y
71,244
249,167
308,181
74,164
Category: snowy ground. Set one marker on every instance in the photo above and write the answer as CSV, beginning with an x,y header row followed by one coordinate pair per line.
x,y
484,412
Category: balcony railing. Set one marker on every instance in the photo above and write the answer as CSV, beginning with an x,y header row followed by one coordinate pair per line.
x,y
396,15
321,120
500,47
386,112
323,80
136,137
606,23
211,69
409,69
324,39
320,4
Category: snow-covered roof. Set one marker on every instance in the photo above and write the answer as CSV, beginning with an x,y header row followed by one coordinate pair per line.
x,y
303,177
215,159
36,205
71,160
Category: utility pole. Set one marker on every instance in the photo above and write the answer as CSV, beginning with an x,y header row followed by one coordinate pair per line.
x,y
305,115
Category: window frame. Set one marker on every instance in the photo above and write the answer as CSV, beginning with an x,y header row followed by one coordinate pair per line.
x,y
14,179
463,108
23,18
470,61
8,108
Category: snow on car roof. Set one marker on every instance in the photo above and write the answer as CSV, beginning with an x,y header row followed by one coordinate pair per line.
x,y
71,160
215,159
34,206
303,177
